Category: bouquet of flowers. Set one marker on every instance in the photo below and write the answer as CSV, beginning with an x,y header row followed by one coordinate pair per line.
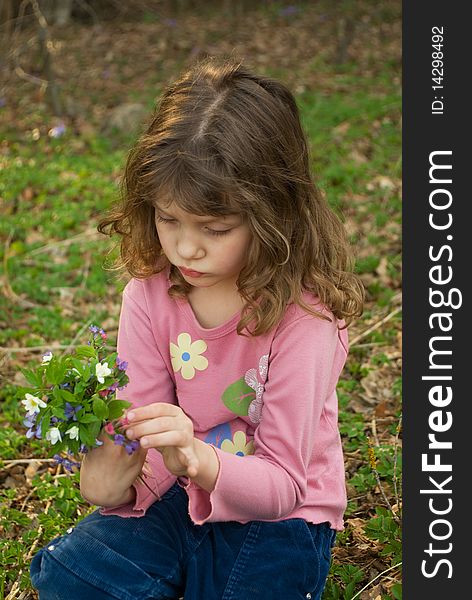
x,y
72,399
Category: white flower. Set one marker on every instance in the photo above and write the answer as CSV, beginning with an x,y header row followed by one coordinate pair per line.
x,y
73,433
46,358
32,404
53,435
102,371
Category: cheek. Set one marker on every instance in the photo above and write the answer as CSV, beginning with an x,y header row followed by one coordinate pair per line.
x,y
237,251
163,238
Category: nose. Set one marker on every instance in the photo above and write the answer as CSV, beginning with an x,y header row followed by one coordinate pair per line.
x,y
189,248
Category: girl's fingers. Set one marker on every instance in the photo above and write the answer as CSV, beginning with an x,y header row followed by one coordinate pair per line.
x,y
151,411
156,440
151,426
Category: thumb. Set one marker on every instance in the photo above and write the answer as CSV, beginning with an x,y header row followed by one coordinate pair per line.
x,y
193,466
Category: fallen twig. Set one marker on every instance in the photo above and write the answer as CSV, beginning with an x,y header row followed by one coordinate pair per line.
x,y
375,326
38,348
88,233
395,459
374,579
21,461
368,345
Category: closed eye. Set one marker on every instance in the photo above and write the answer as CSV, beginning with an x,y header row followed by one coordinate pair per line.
x,y
160,219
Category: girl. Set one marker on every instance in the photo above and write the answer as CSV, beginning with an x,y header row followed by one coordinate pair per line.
x,y
233,326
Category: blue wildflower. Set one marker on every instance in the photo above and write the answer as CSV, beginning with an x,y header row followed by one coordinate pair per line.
x,y
113,387
70,411
69,464
57,131
132,446
30,420
122,364
30,433
66,462
119,439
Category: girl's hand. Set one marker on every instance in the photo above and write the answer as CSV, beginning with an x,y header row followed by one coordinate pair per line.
x,y
167,428
108,472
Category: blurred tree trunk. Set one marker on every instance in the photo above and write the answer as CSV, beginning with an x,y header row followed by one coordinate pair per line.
x,y
57,12
52,90
62,12
6,23
233,8
348,14
6,16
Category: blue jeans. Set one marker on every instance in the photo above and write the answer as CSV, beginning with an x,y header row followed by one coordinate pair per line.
x,y
163,555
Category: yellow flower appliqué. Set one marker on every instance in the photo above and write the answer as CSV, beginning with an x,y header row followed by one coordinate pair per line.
x,y
185,356
239,445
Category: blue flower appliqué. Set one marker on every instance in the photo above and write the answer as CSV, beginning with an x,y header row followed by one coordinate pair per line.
x,y
218,434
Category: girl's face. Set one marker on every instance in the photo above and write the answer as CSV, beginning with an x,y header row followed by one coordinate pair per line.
x,y
216,247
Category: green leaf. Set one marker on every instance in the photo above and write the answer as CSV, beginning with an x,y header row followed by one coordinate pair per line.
x,y
32,377
349,590
67,396
53,376
56,394
397,591
87,372
88,418
79,388
45,424
58,411
100,408
116,408
95,428
86,437
85,352
111,360
78,365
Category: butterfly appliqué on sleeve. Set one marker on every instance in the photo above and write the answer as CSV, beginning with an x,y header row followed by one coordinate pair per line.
x,y
255,408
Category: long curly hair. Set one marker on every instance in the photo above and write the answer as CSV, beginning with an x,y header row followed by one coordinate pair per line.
x,y
223,140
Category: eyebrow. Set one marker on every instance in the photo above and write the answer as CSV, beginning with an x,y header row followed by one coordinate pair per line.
x,y
209,220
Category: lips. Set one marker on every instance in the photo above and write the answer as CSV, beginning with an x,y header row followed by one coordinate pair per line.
x,y
189,271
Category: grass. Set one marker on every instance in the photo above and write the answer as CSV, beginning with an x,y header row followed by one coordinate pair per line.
x,y
54,269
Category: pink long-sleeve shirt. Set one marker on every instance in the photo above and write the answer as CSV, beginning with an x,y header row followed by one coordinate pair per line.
x,y
267,405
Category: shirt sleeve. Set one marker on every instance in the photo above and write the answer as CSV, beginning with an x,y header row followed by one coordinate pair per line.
x,y
149,381
305,361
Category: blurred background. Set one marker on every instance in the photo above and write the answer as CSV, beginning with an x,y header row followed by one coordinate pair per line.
x,y
78,81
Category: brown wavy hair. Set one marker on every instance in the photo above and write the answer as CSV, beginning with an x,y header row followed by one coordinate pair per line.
x,y
222,140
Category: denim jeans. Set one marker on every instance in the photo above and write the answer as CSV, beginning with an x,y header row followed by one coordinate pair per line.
x,y
164,555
